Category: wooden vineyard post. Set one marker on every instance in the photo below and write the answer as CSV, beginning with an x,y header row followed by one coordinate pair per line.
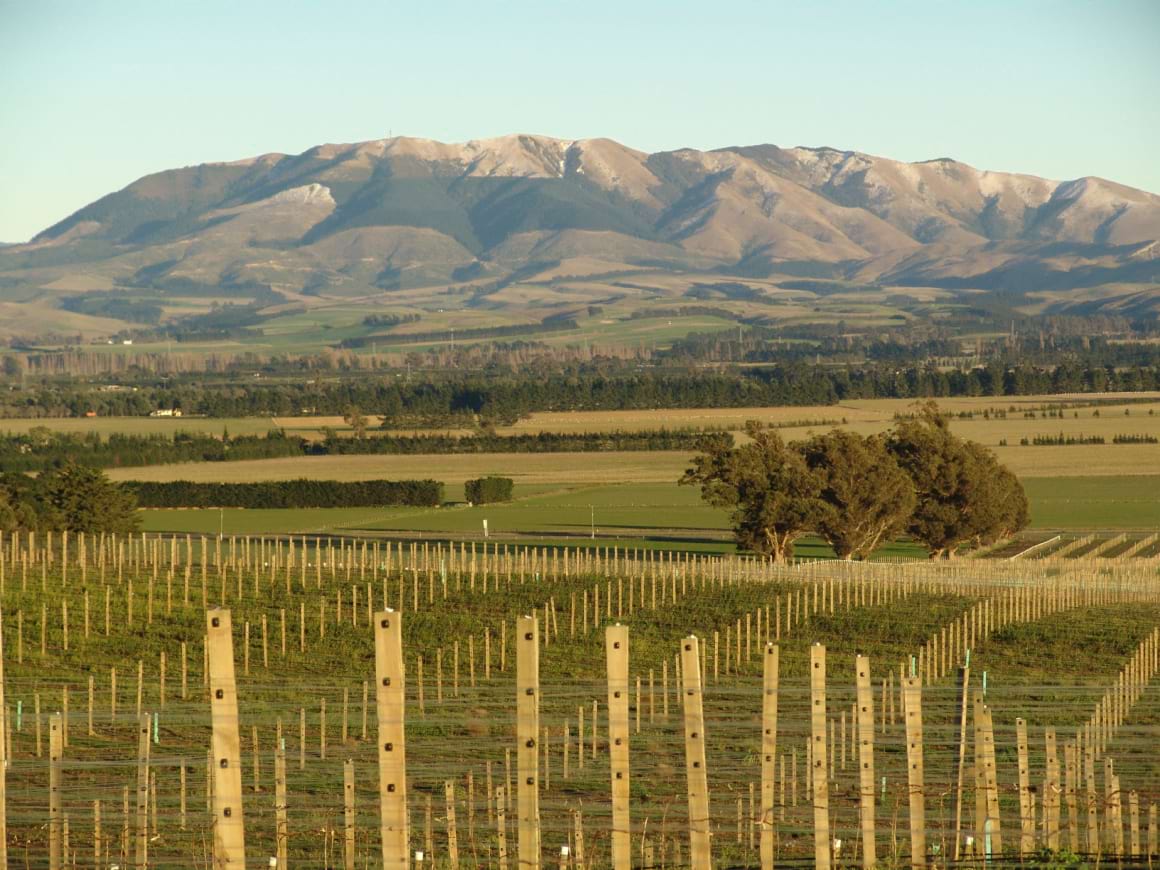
x,y
1089,773
452,832
348,813
1133,824
501,827
527,733
1026,811
866,756
96,834
964,682
768,751
281,821
818,767
616,646
229,829
3,758
1051,793
55,753
1153,843
915,780
143,790
985,758
390,706
1071,755
700,850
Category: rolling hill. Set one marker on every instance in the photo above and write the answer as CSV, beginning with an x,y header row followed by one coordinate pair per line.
x,y
521,228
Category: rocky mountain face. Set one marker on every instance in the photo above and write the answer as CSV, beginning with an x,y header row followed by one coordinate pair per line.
x,y
402,213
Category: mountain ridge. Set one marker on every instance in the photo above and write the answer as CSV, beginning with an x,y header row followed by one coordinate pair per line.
x,y
388,216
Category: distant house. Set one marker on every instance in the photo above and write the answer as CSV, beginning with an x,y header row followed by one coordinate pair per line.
x,y
127,341
166,412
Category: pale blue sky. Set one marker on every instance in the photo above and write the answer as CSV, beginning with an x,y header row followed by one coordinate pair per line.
x,y
95,94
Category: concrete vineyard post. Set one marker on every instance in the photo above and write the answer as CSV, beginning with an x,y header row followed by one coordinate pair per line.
x,y
616,646
527,733
229,827
390,706
700,850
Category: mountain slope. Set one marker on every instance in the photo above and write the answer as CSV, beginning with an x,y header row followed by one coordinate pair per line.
x,y
364,219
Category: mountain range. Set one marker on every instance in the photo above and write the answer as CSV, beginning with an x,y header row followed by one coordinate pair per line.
x,y
527,226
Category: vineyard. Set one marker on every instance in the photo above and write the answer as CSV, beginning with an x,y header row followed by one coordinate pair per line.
x,y
357,702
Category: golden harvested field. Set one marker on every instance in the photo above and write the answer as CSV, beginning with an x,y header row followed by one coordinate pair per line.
x,y
524,468
1110,423
106,426
1082,461
600,468
694,418
863,411
307,427
866,417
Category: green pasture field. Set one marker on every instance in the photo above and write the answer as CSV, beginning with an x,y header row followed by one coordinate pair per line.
x,y
1120,502
661,515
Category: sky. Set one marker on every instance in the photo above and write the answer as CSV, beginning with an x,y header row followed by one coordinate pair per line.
x,y
96,93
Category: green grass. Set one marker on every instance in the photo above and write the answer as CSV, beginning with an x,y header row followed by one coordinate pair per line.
x,y
1094,502
656,515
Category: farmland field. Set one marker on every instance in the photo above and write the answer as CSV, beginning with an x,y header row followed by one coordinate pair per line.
x,y
121,635
1107,486
662,512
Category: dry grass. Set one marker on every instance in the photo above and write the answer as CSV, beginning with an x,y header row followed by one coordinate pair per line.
x,y
866,417
1082,461
106,426
698,418
864,411
524,468
590,468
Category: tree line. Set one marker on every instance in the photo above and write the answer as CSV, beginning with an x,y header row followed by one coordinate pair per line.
x,y
488,490
301,493
504,396
858,492
68,497
41,447
540,442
